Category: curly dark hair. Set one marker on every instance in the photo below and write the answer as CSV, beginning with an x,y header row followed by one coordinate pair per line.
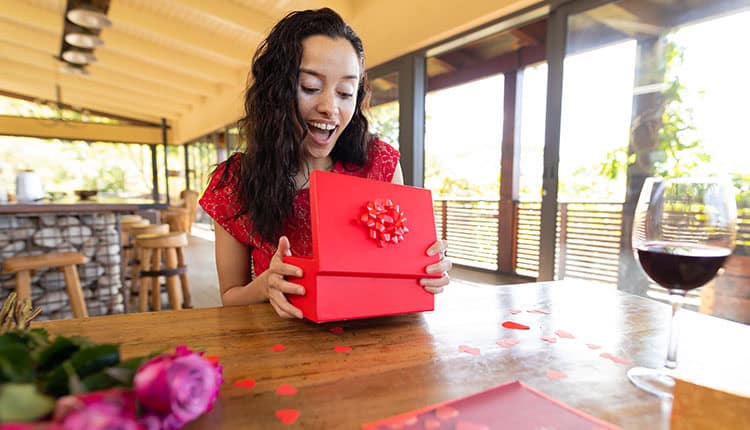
x,y
273,128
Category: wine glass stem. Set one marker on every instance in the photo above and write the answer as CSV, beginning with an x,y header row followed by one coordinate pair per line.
x,y
675,298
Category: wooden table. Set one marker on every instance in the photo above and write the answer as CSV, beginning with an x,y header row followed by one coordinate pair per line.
x,y
405,362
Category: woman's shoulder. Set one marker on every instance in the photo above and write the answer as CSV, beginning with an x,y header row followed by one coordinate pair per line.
x,y
382,160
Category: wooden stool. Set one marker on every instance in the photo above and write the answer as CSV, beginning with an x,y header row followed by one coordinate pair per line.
x,y
150,249
130,219
64,261
135,263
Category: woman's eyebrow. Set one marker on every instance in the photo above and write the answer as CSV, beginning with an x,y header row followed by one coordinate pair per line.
x,y
321,76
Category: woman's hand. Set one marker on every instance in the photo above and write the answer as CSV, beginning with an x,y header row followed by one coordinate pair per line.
x,y
435,285
276,286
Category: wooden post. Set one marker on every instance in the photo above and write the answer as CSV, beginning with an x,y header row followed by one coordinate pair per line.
x,y
509,162
563,256
644,140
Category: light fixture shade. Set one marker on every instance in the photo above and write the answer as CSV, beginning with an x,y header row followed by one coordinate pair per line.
x,y
72,69
83,40
88,18
78,57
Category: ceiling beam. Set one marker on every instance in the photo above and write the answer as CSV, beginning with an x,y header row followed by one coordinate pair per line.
x,y
36,42
46,93
213,45
254,21
93,112
77,130
100,78
71,89
31,19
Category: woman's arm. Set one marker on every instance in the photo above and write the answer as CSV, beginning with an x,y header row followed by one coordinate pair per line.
x,y
233,267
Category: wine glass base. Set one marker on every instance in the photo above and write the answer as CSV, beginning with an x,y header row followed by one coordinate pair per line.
x,y
654,381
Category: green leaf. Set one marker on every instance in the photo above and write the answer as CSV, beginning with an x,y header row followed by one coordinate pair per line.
x,y
84,362
22,402
15,363
55,353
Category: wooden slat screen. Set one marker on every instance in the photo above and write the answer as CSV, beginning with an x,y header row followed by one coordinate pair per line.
x,y
528,238
470,227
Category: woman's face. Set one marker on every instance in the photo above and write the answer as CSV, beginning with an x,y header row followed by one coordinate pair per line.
x,y
327,95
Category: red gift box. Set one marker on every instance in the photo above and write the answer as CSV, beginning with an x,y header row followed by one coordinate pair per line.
x,y
369,241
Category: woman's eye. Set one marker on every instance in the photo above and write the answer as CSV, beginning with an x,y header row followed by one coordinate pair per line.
x,y
309,90
345,95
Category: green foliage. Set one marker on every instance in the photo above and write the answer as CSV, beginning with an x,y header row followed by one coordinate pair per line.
x,y
384,121
679,152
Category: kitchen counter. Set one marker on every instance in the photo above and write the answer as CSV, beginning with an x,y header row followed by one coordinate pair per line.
x,y
91,227
97,204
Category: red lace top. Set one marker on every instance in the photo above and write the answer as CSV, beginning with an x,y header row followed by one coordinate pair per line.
x,y
221,204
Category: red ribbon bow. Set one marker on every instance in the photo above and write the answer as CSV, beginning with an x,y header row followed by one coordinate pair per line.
x,y
385,221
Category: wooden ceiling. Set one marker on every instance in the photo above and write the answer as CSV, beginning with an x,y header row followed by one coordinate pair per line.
x,y
160,59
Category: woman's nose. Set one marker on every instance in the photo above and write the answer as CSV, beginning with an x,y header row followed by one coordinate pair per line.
x,y
327,104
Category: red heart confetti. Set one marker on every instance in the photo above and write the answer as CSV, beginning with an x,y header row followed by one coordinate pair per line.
x,y
538,311
564,334
287,416
507,343
554,374
385,221
245,383
593,346
516,311
342,348
515,326
286,390
466,425
446,412
431,424
212,359
277,348
336,330
469,350
549,339
615,358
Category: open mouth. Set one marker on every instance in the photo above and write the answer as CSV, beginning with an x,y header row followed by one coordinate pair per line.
x,y
321,131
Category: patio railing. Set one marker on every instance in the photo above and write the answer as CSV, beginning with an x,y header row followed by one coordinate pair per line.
x,y
588,236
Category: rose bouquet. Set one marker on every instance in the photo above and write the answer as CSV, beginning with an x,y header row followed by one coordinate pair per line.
x,y
73,383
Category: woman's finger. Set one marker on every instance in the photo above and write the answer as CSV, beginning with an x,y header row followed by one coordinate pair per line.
x,y
439,246
285,269
277,282
280,312
439,267
432,282
434,290
280,303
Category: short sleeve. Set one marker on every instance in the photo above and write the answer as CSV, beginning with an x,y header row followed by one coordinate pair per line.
x,y
220,201
382,160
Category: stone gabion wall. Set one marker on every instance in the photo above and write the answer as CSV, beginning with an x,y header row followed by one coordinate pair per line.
x,y
95,235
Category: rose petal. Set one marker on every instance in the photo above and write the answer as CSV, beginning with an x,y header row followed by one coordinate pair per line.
x,y
287,416
507,343
469,350
245,383
286,390
212,359
554,374
515,326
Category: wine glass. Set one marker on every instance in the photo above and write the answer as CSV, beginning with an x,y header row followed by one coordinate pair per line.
x,y
683,232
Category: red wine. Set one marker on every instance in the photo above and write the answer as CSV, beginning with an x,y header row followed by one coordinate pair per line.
x,y
681,267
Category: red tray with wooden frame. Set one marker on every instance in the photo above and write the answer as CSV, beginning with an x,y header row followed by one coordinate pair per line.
x,y
352,274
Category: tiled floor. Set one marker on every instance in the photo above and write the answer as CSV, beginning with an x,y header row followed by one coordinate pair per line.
x,y
204,285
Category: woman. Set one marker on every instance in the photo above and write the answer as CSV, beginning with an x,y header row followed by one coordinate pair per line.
x,y
303,112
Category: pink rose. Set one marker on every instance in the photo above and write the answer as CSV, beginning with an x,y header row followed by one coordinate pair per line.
x,y
41,425
178,387
107,409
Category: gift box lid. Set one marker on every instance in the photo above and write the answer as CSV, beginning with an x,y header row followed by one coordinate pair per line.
x,y
366,227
